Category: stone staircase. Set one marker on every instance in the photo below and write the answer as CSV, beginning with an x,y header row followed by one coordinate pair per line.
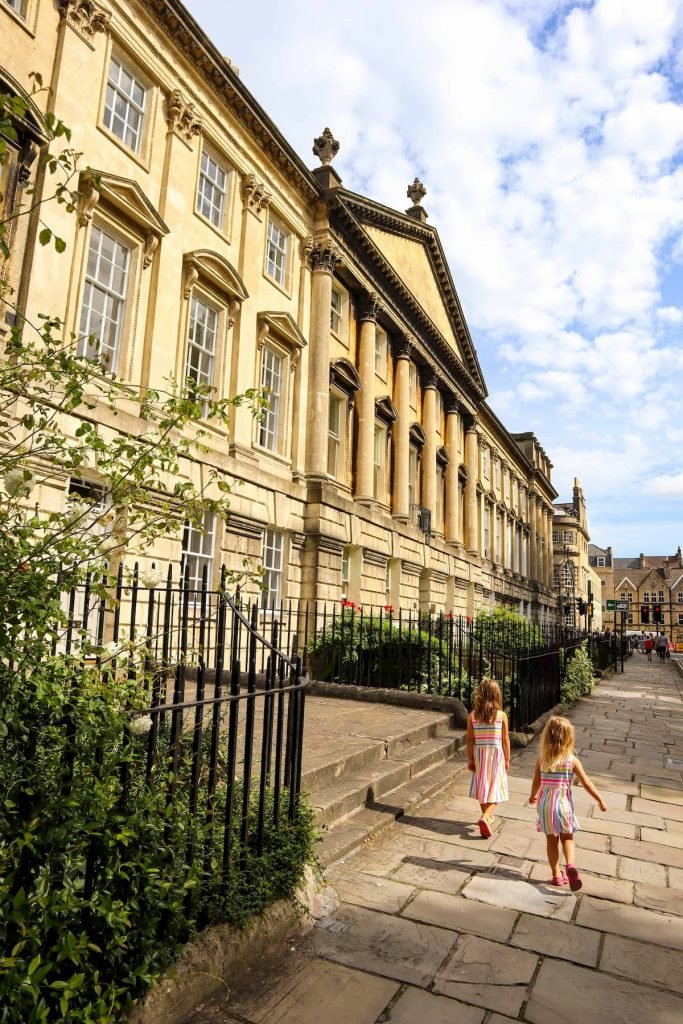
x,y
362,789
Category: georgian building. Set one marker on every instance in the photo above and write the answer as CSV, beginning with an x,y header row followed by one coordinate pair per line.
x,y
204,247
572,578
652,585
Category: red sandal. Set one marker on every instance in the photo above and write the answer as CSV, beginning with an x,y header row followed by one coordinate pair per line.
x,y
574,877
559,880
484,829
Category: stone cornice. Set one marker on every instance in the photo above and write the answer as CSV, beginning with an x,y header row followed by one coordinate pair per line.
x,y
86,16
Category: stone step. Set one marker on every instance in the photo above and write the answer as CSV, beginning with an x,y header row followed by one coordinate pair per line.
x,y
345,835
372,751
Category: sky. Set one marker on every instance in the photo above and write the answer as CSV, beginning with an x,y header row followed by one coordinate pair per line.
x,y
549,136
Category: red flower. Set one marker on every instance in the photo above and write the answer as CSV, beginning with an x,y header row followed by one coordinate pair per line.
x,y
389,608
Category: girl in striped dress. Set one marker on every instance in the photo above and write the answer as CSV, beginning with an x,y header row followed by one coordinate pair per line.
x,y
551,789
488,751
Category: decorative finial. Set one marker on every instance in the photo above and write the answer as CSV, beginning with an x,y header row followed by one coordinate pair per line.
x,y
416,192
326,147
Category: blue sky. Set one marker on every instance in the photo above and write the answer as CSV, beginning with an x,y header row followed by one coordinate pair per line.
x,y
550,138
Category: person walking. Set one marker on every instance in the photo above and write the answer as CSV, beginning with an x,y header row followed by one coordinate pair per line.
x,y
661,646
648,644
488,751
551,789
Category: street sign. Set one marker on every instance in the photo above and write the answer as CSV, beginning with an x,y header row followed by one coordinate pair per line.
x,y
622,606
611,606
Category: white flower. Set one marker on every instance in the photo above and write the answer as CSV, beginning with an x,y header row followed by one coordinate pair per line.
x,y
18,483
141,726
150,578
113,648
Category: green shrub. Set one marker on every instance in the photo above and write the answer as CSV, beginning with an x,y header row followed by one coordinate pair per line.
x,y
578,680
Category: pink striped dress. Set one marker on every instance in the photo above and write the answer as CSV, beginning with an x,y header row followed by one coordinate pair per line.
x,y
489,783
555,805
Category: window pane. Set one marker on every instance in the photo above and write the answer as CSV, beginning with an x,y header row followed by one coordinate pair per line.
x,y
198,551
104,297
336,311
276,253
124,105
273,561
334,436
201,345
271,384
211,190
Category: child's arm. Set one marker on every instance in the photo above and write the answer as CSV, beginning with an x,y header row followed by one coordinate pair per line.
x,y
506,740
536,784
588,785
470,744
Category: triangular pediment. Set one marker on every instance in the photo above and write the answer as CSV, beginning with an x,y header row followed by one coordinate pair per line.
x,y
386,410
283,325
624,583
411,254
127,196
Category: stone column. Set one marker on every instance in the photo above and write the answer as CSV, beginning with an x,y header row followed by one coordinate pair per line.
x,y
549,545
538,526
324,260
365,399
451,526
471,462
533,551
401,433
429,452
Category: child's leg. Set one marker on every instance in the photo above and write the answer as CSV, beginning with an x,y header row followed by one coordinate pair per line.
x,y
553,850
485,808
567,840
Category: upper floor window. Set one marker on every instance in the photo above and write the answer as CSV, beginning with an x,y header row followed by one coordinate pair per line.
x,y
104,298
568,536
334,437
523,500
412,384
273,564
601,561
380,353
556,536
337,311
18,6
496,473
124,106
277,252
485,462
680,598
201,346
556,575
412,476
198,551
211,190
271,384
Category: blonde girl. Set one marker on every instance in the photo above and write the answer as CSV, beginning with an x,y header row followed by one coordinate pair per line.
x,y
488,751
552,788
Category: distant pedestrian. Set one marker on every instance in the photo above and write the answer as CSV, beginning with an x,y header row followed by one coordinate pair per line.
x,y
488,751
661,646
552,789
648,644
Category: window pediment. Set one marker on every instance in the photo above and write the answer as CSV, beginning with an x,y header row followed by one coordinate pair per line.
x,y
463,474
417,435
123,193
344,375
442,457
385,410
284,329
215,269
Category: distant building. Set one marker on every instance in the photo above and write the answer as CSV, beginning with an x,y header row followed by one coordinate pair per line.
x,y
652,584
573,581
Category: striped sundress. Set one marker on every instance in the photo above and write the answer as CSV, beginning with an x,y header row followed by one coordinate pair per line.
x,y
489,783
555,805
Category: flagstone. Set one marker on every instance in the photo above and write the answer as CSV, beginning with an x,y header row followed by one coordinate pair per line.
x,y
553,938
461,915
663,794
632,922
417,1005
642,871
370,890
432,874
658,807
659,897
474,964
633,959
654,852
520,895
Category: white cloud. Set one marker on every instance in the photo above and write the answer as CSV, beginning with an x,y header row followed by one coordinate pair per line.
x,y
549,134
667,486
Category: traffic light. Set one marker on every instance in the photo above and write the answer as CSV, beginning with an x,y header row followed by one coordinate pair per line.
x,y
582,606
644,614
657,614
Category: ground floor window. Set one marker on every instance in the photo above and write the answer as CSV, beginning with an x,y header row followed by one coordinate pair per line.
x,y
273,564
198,551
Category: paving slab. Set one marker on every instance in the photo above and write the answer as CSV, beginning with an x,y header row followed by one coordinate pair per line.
x,y
553,938
660,807
383,944
520,895
659,897
416,1005
642,871
662,794
632,959
564,994
657,853
487,974
432,874
370,891
319,990
461,915
632,922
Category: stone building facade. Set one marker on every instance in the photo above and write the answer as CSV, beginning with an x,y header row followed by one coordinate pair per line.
x,y
647,582
379,472
573,580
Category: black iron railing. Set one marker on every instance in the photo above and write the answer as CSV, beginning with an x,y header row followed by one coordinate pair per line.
x,y
224,720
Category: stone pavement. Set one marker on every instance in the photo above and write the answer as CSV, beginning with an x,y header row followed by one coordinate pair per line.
x,y
430,924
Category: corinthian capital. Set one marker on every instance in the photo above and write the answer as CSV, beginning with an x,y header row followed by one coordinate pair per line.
x,y
182,118
325,256
255,194
85,15
370,307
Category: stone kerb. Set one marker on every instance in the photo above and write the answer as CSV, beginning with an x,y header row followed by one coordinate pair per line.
x,y
399,698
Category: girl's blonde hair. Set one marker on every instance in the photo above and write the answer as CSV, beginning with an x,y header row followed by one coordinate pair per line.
x,y
557,742
488,701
